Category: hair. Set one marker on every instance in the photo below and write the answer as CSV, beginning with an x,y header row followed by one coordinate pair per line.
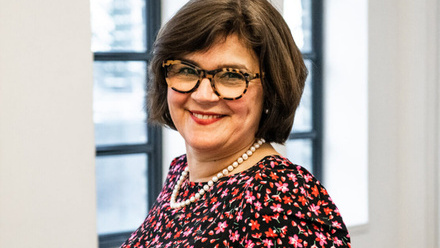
x,y
200,24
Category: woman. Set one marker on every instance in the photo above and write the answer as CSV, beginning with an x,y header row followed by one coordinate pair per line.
x,y
232,78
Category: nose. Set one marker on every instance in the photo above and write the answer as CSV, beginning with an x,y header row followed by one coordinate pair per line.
x,y
204,92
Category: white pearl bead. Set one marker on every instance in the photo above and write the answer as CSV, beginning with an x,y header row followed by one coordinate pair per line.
x,y
207,187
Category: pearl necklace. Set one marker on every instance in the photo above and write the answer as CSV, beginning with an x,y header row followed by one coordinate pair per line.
x,y
214,179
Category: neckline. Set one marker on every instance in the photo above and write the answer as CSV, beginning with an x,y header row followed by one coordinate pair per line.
x,y
238,174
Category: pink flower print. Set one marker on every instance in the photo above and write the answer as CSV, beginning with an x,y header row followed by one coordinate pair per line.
x,y
248,182
220,227
292,177
315,209
187,232
337,241
282,187
224,193
232,180
268,243
215,206
303,191
239,215
308,178
249,197
337,224
276,207
234,236
295,241
249,244
321,238
300,215
258,206
156,238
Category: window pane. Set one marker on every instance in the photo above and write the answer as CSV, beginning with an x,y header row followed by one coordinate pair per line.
x,y
298,16
299,151
118,25
303,115
119,96
122,192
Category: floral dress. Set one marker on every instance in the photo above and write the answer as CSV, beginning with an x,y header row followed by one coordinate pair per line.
x,y
273,204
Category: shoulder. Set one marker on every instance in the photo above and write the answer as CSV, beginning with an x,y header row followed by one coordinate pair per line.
x,y
286,202
277,169
177,164
293,186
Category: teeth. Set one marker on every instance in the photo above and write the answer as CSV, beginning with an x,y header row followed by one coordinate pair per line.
x,y
200,116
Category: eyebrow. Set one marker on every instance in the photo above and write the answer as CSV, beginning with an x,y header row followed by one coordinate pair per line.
x,y
225,65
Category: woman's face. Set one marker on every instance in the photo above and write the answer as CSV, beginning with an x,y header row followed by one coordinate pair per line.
x,y
209,123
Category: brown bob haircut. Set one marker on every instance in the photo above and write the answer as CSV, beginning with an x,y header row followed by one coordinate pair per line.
x,y
202,23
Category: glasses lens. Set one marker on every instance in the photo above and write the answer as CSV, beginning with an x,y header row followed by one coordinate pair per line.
x,y
230,84
182,77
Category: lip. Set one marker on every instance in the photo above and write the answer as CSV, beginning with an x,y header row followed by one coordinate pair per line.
x,y
205,118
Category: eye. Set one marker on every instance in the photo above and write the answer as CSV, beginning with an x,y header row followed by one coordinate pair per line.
x,y
181,70
231,76
187,71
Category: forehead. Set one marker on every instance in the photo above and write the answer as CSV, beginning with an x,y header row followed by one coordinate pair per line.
x,y
228,52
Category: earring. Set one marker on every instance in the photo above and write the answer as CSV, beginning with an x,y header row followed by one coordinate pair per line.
x,y
266,111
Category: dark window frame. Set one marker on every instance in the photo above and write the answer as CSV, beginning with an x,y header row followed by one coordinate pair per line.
x,y
153,147
315,56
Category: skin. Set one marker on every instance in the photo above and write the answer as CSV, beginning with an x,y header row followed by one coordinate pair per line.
x,y
218,131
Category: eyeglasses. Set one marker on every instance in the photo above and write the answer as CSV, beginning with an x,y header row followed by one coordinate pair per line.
x,y
227,83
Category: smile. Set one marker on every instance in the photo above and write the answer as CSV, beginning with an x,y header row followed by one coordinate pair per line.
x,y
206,117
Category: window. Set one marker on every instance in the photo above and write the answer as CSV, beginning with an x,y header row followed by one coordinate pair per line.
x,y
128,150
304,145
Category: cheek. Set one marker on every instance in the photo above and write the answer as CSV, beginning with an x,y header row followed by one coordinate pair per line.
x,y
250,108
174,99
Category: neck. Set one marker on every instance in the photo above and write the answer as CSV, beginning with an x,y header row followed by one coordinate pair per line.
x,y
204,165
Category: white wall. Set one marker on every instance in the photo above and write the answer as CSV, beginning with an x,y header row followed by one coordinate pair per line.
x,y
404,110
47,190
